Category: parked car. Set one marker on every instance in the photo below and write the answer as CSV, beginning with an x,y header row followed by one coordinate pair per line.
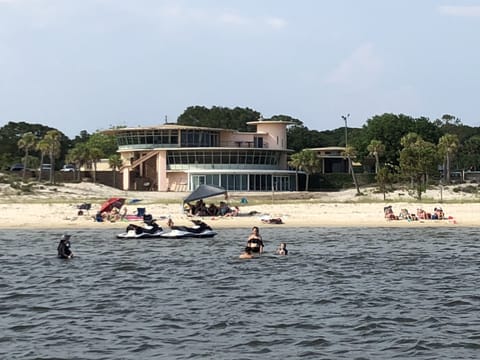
x,y
45,167
16,167
68,168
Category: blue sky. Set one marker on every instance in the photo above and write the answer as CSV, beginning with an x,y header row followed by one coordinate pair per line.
x,y
92,64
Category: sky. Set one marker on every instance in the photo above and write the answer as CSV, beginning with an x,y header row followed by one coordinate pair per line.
x,y
92,64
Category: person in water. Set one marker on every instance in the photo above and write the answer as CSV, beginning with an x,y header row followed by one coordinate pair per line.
x,y
63,249
247,254
282,250
255,242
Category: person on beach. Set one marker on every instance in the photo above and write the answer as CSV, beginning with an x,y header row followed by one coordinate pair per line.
x,y
255,241
247,254
282,250
63,249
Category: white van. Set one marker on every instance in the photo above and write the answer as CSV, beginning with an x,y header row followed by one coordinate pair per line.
x,y
45,167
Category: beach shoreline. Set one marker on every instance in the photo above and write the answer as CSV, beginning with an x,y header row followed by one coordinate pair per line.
x,y
57,208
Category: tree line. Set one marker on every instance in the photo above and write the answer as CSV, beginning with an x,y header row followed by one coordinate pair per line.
x,y
393,146
35,144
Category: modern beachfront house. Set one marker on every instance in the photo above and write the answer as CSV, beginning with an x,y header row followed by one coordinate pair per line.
x,y
172,157
332,159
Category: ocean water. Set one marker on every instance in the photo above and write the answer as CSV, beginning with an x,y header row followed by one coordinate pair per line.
x,y
341,293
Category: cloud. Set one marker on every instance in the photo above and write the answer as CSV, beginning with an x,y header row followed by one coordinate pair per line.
x,y
276,23
361,66
232,19
181,15
462,10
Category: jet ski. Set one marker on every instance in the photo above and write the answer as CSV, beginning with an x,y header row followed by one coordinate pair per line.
x,y
199,230
151,230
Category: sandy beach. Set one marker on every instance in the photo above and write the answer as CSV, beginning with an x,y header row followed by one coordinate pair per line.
x,y
57,207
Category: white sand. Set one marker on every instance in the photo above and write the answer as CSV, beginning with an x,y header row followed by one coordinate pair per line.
x,y
56,207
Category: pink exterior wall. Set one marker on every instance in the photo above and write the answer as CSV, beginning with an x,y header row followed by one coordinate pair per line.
x,y
177,181
276,134
162,180
228,138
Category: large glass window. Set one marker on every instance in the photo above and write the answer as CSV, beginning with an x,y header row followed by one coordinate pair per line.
x,y
167,137
199,138
227,157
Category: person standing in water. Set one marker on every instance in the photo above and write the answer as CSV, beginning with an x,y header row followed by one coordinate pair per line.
x,y
63,249
255,242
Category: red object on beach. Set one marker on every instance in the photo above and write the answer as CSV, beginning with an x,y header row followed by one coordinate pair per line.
x,y
111,203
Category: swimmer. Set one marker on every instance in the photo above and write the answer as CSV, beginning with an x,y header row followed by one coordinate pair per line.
x,y
247,254
282,250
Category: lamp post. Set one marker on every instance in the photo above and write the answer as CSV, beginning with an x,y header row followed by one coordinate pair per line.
x,y
346,127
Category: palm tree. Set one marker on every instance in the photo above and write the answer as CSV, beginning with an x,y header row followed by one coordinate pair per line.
x,y
94,155
52,138
42,146
115,162
77,157
448,145
350,153
306,160
26,142
376,148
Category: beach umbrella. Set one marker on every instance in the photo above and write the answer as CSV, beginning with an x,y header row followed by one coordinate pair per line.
x,y
111,203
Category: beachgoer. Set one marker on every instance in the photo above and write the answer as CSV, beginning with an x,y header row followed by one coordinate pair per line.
x,y
255,241
247,254
212,210
233,212
282,250
389,215
63,249
223,209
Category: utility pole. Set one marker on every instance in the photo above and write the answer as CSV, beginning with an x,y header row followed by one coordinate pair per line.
x,y
346,128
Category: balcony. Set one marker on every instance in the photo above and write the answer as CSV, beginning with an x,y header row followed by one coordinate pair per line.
x,y
244,144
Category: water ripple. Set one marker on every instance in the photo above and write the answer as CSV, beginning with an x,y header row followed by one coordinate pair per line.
x,y
341,293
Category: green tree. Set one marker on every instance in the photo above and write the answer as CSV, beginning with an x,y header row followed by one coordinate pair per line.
x,y
447,145
43,147
78,156
307,161
418,159
26,143
351,153
469,156
115,162
390,128
385,178
52,138
107,144
219,117
94,155
376,149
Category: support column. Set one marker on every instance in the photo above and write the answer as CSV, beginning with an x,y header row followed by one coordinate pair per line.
x,y
126,178
162,178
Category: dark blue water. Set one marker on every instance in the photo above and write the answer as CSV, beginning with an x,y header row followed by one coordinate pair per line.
x,y
342,293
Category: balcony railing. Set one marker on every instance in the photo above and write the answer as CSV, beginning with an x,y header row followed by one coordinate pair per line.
x,y
244,144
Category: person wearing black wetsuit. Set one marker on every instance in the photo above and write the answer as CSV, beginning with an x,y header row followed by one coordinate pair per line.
x,y
63,249
255,242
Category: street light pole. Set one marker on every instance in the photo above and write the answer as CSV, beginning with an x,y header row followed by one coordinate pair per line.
x,y
346,128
